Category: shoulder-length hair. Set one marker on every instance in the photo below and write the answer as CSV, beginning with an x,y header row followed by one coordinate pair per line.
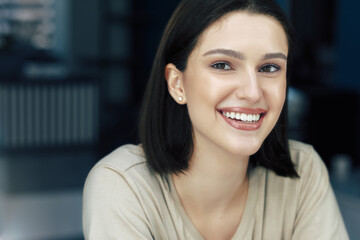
x,y
165,128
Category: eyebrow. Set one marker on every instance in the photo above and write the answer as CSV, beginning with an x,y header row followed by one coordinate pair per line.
x,y
241,56
227,52
275,55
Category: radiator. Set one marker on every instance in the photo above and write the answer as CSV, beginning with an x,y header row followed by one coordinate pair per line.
x,y
48,114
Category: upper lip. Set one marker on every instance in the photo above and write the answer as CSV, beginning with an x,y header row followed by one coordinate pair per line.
x,y
242,110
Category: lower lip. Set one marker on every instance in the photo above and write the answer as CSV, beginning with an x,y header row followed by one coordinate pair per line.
x,y
242,125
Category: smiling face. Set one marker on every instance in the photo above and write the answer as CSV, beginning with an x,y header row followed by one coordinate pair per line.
x,y
234,84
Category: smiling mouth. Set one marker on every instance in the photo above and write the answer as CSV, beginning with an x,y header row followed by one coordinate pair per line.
x,y
242,117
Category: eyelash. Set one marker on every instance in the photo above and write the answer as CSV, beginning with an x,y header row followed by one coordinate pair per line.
x,y
225,64
271,65
262,68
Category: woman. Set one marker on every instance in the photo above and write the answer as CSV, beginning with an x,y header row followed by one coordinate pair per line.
x,y
215,161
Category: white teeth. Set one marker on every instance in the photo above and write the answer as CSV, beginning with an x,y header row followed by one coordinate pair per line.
x,y
249,118
242,116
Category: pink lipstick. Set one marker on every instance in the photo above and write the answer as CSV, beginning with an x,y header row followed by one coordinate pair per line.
x,y
243,118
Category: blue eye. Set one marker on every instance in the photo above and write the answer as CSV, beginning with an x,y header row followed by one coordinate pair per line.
x,y
269,68
221,66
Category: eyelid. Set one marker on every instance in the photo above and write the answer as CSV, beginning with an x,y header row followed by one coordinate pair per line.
x,y
272,65
223,62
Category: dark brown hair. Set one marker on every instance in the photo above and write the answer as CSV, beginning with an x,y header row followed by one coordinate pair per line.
x,y
165,127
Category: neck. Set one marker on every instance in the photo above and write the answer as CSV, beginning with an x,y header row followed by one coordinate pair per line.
x,y
215,181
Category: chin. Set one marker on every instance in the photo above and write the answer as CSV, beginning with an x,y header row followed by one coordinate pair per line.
x,y
245,149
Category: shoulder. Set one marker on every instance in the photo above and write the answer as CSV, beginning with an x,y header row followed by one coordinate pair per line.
x,y
127,161
296,146
123,158
126,164
316,212
118,193
309,166
300,151
306,160
311,169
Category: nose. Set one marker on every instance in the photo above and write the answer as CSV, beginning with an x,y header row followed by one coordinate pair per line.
x,y
248,87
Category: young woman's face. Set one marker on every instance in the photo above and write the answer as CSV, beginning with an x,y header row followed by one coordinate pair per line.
x,y
235,82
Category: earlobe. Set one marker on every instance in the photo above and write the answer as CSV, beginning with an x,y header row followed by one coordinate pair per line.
x,y
174,78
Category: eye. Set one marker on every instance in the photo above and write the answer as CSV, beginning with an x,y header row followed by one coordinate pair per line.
x,y
221,66
269,68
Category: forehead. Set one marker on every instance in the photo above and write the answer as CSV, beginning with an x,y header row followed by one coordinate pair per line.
x,y
239,30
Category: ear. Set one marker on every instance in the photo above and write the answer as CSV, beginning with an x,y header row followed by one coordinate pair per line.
x,y
174,78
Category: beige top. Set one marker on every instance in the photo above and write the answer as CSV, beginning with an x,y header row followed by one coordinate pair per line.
x,y
124,199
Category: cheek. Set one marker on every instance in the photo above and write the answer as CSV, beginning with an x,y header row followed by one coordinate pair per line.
x,y
276,94
203,94
280,97
202,89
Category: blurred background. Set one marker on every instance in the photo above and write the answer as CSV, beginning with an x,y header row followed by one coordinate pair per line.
x,y
72,76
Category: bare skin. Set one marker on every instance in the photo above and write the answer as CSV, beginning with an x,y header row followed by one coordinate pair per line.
x,y
214,200
213,191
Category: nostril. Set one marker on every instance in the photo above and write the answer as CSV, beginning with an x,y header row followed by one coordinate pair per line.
x,y
249,95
